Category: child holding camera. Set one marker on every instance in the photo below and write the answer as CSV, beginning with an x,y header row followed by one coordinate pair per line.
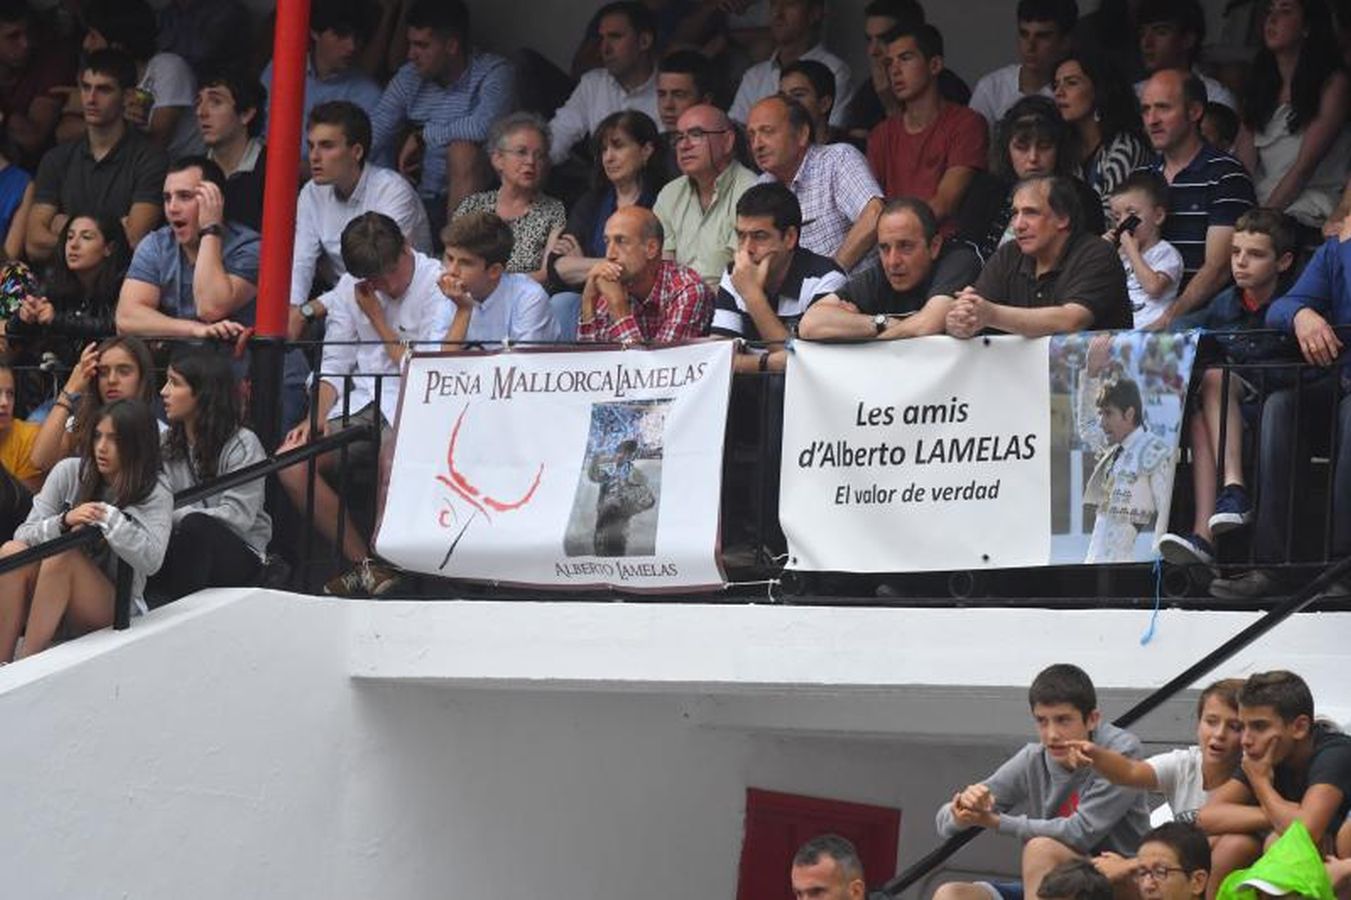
x,y
1153,266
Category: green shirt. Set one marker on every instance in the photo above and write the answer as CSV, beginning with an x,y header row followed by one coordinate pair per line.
x,y
703,240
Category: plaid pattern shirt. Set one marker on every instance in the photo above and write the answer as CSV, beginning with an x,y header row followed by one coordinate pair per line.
x,y
832,185
679,308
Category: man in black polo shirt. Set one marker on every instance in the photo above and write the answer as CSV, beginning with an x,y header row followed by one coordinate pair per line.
x,y
769,263
112,171
1207,189
1053,277
908,293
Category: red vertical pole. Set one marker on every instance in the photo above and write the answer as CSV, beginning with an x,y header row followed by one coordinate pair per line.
x,y
285,109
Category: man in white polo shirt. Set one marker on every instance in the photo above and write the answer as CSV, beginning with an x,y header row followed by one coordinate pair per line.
x,y
387,302
795,26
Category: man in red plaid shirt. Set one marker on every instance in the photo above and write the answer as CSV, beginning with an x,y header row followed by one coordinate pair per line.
x,y
634,295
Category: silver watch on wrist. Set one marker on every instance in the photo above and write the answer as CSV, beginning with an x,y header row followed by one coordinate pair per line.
x,y
880,322
309,311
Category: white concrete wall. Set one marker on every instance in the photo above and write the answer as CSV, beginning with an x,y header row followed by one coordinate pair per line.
x,y
194,755
252,744
548,794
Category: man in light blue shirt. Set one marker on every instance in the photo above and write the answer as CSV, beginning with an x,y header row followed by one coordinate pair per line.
x,y
197,276
491,306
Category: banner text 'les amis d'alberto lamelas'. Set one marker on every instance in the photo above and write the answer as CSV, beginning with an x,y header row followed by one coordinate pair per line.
x,y
561,469
938,454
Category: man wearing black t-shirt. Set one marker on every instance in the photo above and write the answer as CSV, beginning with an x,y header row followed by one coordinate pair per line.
x,y
772,279
1293,769
909,291
1054,277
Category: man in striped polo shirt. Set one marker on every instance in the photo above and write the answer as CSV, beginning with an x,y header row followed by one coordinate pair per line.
x,y
772,280
439,105
1207,189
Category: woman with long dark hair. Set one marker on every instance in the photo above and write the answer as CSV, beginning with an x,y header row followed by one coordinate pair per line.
x,y
118,368
114,485
1294,138
82,285
1104,118
630,169
1031,140
220,541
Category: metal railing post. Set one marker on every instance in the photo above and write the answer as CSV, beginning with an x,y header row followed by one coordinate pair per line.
x,y
122,595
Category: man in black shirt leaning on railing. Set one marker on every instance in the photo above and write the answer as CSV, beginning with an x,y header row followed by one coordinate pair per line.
x,y
1053,277
908,293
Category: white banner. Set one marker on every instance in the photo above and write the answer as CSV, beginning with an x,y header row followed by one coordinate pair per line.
x,y
561,469
938,454
916,455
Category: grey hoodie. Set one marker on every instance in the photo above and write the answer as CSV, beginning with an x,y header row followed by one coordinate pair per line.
x,y
1106,817
138,534
241,508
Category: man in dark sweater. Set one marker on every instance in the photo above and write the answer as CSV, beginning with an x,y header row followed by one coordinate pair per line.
x,y
1294,769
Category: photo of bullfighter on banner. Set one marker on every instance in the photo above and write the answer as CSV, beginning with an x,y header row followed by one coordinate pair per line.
x,y
1116,414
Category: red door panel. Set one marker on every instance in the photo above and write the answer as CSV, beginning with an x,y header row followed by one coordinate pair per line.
x,y
777,824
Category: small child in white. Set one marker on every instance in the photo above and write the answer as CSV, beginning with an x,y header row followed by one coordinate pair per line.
x,y
1153,266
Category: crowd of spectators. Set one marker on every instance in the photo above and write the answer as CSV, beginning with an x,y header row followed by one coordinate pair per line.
x,y
1257,807
712,169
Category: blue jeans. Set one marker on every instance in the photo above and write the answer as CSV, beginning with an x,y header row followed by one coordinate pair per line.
x,y
567,308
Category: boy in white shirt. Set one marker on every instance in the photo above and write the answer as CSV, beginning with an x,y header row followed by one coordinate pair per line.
x,y
1153,266
1185,776
491,305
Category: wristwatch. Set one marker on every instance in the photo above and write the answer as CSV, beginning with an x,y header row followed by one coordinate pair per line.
x,y
880,322
308,311
210,230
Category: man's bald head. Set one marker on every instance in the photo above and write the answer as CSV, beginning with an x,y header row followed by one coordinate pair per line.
x,y
633,239
641,221
1171,105
704,141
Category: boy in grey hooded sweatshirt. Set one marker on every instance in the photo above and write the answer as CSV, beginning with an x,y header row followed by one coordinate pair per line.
x,y
1065,813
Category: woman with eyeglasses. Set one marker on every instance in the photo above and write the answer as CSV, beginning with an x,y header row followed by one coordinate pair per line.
x,y
520,155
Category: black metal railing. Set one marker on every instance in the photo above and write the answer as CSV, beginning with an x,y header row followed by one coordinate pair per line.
x,y
91,536
88,536
753,543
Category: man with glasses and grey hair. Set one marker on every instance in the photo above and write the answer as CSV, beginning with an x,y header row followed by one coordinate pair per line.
x,y
698,209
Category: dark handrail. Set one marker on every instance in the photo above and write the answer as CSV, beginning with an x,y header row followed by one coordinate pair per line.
x,y
81,537
38,552
1273,617
273,464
